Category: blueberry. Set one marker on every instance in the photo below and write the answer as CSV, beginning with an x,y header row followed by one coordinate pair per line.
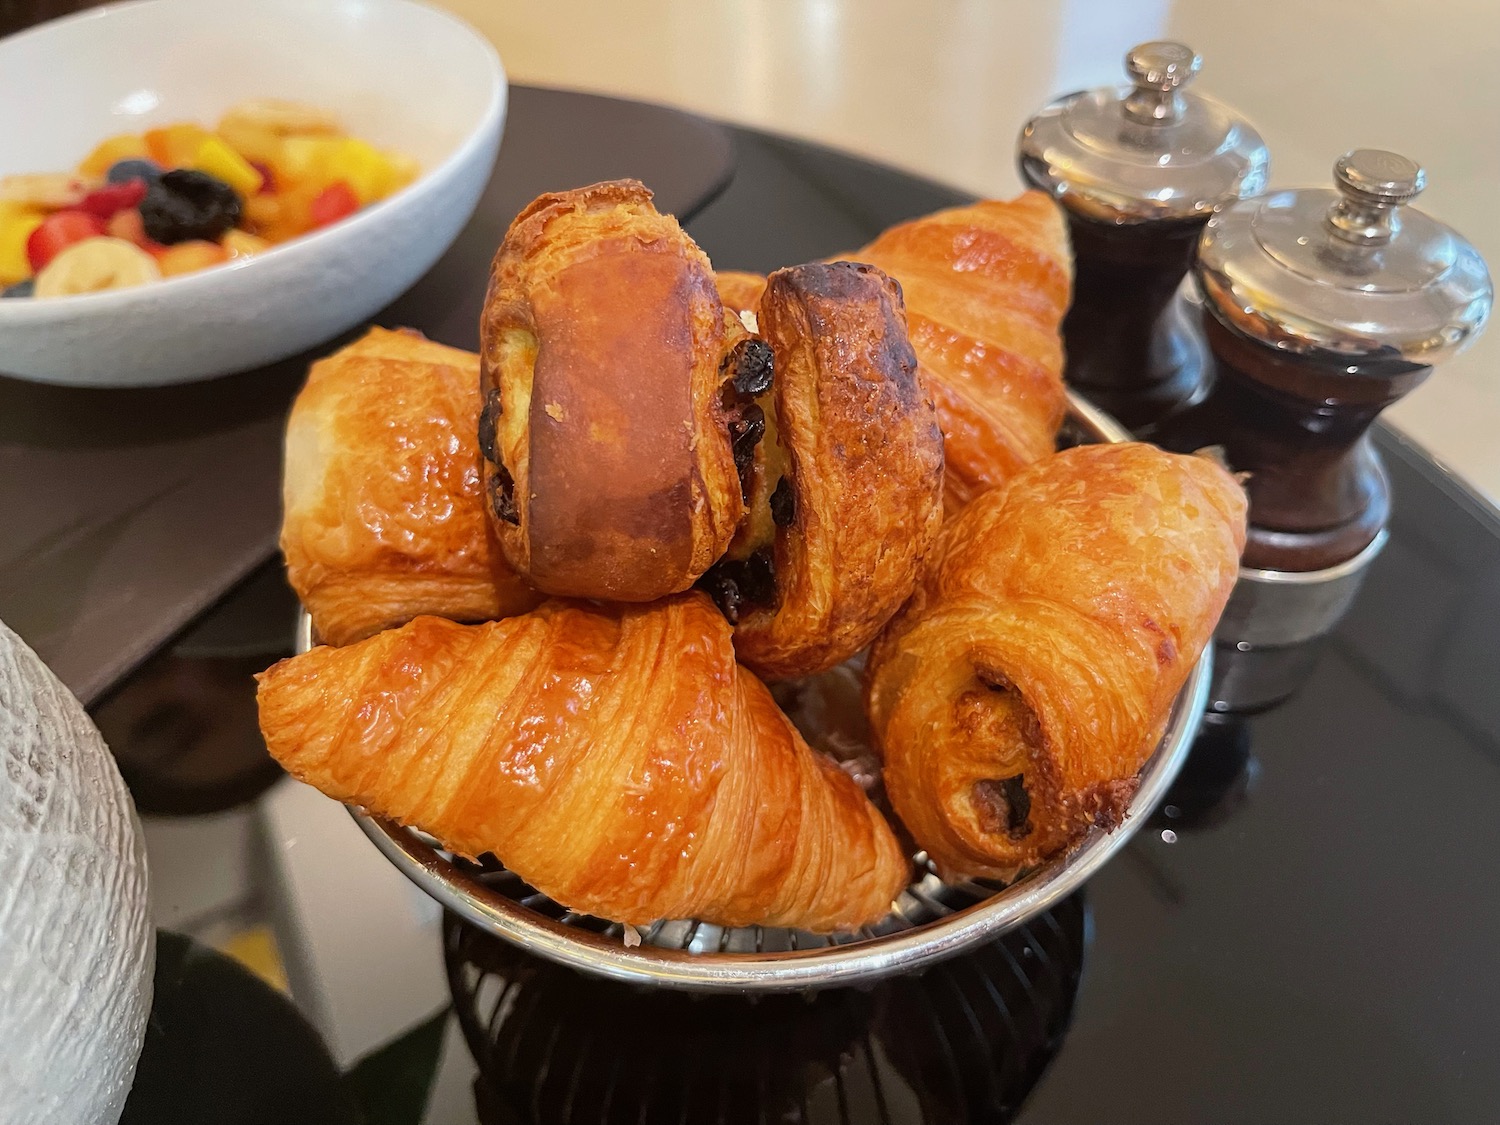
x,y
123,171
20,288
185,205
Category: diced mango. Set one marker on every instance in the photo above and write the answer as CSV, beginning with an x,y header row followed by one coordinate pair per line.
x,y
126,146
188,257
261,212
360,165
242,244
404,170
282,215
222,162
16,225
174,146
253,142
301,161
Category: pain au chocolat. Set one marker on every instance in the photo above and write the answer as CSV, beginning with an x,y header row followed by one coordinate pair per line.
x,y
381,491
1017,696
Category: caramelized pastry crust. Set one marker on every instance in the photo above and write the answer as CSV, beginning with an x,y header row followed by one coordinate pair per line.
x,y
846,497
608,457
986,288
615,758
1018,695
383,519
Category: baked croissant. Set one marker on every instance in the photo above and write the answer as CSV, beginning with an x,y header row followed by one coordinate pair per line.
x,y
617,759
986,288
740,291
845,492
608,450
1017,696
381,492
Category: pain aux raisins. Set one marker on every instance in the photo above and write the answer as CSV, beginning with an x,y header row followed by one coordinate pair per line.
x,y
753,367
503,496
745,433
735,584
489,423
783,503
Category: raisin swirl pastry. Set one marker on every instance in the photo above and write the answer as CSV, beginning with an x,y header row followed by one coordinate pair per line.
x,y
617,758
1017,696
609,466
845,483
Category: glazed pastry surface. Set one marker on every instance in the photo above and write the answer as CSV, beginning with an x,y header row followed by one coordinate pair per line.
x,y
986,287
1019,693
608,457
616,758
846,499
383,519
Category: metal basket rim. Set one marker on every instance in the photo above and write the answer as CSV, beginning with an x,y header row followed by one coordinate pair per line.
x,y
858,961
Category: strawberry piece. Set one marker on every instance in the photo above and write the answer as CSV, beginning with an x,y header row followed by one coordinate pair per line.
x,y
267,178
333,203
107,201
58,231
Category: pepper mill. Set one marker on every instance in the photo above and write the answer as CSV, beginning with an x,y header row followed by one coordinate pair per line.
x,y
1139,171
1321,308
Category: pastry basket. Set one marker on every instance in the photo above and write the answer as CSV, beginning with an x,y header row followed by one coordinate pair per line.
x,y
931,920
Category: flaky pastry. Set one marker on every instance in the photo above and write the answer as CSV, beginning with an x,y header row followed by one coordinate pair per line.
x,y
383,519
616,758
1018,695
607,449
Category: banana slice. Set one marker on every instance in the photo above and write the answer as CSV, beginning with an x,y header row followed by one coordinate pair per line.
x,y
96,264
278,116
49,190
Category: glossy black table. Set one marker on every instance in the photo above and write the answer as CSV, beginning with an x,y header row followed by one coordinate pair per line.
x,y
1313,940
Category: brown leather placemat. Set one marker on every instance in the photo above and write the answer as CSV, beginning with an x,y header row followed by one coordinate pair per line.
x,y
125,513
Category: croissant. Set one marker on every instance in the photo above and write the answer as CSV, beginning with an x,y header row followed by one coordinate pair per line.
x,y
986,288
740,291
845,493
381,492
1017,696
617,759
611,472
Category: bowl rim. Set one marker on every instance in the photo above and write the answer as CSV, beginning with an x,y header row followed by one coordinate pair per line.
x,y
296,249
837,964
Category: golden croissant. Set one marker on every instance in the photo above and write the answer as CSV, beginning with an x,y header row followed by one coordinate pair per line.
x,y
617,759
608,451
383,519
1018,695
986,287
845,493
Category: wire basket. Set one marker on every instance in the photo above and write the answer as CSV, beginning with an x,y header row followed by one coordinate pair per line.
x,y
931,920
964,1042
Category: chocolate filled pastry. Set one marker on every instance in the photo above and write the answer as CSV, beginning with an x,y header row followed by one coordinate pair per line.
x,y
1020,692
986,288
617,759
608,454
383,515
845,482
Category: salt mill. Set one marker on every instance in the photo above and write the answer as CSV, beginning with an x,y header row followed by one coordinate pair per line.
x,y
1139,171
1321,308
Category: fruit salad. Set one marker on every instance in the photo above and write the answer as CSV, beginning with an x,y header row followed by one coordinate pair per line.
x,y
171,200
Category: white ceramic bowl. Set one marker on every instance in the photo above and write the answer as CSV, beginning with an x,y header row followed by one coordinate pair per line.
x,y
398,74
